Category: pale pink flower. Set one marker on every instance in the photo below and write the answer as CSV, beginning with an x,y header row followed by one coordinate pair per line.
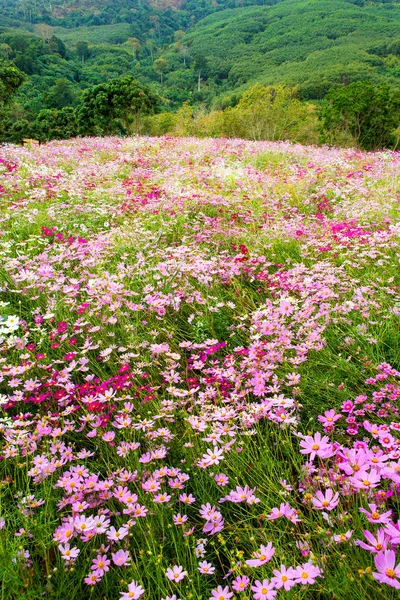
x,y
262,556
176,573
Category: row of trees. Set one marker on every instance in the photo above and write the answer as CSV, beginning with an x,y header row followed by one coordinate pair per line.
x,y
359,114
115,107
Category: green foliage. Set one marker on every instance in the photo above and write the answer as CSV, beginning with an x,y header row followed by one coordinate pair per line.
x,y
204,53
56,124
370,113
62,94
304,43
263,113
112,107
10,80
271,113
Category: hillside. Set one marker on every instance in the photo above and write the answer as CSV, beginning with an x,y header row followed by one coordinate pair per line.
x,y
305,43
206,53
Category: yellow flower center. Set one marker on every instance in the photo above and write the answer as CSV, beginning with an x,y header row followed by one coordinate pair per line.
x,y
390,573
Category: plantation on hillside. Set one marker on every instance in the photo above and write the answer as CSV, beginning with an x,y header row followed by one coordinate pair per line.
x,y
204,53
199,365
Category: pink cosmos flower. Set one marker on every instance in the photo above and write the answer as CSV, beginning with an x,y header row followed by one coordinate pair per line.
x,y
92,579
67,553
277,513
374,516
120,558
307,573
329,501
376,544
316,446
340,538
283,578
187,499
393,531
240,583
263,556
134,592
221,593
213,456
176,573
221,479
84,524
329,419
263,590
364,481
100,564
179,519
114,535
206,568
162,498
240,495
388,572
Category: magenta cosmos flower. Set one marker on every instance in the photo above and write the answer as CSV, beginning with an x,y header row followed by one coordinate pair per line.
x,y
176,574
388,572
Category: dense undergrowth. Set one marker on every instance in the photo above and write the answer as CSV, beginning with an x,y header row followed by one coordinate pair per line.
x,y
199,370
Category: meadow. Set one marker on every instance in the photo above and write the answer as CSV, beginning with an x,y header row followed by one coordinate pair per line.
x,y
199,371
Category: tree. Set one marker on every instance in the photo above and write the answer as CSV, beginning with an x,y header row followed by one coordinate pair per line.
x,y
57,46
114,107
56,124
269,113
5,50
45,31
10,80
83,51
61,94
200,67
150,45
135,43
369,113
161,66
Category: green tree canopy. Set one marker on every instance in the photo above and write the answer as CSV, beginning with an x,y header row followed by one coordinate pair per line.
x,y
112,107
10,80
369,113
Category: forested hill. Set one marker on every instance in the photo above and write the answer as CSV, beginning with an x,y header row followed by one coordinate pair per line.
x,y
75,13
206,52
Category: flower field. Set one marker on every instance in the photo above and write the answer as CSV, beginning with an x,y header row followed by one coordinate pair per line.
x,y
199,371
